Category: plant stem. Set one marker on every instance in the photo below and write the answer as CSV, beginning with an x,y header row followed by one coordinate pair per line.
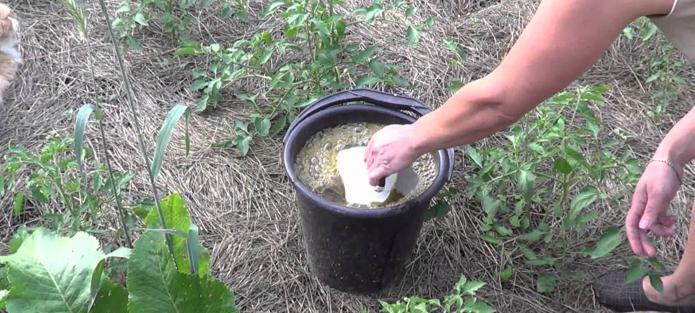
x,y
141,141
107,157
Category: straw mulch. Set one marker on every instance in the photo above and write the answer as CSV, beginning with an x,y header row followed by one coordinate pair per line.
x,y
244,205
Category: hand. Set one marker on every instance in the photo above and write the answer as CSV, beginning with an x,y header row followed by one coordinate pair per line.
x,y
649,210
390,150
5,20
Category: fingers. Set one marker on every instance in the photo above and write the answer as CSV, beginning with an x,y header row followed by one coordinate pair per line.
x,y
657,205
647,245
667,220
661,230
639,201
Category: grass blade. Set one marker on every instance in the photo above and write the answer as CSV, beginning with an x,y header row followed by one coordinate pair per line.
x,y
80,127
164,137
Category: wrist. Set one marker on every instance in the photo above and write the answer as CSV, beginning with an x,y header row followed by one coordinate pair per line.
x,y
419,139
673,154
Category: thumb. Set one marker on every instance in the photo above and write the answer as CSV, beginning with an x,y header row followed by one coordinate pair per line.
x,y
377,173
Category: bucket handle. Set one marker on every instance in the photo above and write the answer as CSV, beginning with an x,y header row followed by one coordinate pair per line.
x,y
374,97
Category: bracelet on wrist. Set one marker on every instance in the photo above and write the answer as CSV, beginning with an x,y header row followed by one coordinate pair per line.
x,y
671,165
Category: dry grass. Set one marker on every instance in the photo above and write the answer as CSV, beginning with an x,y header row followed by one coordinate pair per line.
x,y
244,206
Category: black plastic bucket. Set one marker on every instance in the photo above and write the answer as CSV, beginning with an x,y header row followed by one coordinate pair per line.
x,y
351,249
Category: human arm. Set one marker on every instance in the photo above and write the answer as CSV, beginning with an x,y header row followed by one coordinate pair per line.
x,y
563,39
658,186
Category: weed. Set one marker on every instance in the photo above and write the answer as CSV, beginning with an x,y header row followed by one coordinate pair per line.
x,y
463,300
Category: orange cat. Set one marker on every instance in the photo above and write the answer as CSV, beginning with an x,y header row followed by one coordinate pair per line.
x,y
10,58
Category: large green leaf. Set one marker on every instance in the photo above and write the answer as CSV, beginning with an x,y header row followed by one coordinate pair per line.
x,y
610,240
60,269
111,298
164,136
177,217
154,284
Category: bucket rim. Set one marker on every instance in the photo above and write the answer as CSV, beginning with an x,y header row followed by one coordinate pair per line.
x,y
427,195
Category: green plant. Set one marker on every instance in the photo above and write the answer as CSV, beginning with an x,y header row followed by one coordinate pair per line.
x,y
53,185
463,300
297,64
649,267
73,274
663,63
536,190
174,16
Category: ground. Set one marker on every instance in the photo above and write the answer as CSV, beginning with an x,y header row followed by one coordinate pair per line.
x,y
245,205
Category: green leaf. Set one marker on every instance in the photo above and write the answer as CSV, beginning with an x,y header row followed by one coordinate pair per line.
x,y
273,7
575,155
506,274
460,284
123,253
525,183
653,77
364,56
154,284
262,126
18,204
177,217
546,283
413,35
164,137
636,272
186,51
429,22
278,126
140,19
455,86
39,193
650,32
365,81
655,281
3,298
410,11
111,298
472,287
4,283
18,238
80,127
439,209
199,84
60,269
475,156
243,144
562,166
378,68
585,198
610,240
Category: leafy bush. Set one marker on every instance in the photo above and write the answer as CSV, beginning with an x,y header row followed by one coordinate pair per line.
x,y
53,184
538,190
174,16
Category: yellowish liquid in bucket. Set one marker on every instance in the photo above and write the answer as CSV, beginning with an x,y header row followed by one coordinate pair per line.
x,y
316,164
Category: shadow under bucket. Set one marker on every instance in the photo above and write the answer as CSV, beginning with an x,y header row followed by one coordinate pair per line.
x,y
352,249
